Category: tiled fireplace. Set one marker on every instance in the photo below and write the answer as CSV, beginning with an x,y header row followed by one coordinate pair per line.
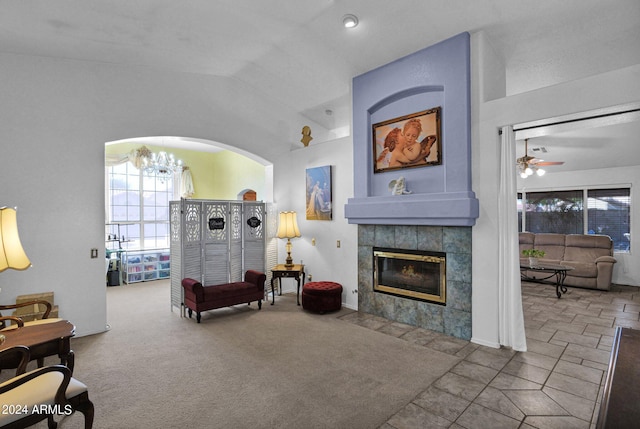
x,y
453,317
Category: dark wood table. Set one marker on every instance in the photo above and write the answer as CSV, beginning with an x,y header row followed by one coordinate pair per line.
x,y
545,272
282,271
43,338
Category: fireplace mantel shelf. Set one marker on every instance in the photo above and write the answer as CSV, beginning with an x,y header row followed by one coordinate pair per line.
x,y
445,209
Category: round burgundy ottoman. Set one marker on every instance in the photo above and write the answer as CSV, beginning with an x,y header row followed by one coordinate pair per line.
x,y
322,296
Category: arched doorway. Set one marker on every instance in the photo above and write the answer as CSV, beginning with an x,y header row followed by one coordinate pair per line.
x,y
137,203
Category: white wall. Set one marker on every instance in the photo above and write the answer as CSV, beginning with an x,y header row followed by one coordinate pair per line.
x,y
608,89
625,271
324,261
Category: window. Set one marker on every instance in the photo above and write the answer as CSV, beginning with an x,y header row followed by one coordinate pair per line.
x,y
608,212
140,204
559,212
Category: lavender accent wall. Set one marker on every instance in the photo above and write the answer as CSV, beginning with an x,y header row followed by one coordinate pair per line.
x,y
441,195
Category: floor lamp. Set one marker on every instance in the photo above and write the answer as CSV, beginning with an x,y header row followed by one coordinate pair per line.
x,y
288,228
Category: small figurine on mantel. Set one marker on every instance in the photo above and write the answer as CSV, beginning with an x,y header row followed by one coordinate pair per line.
x,y
398,186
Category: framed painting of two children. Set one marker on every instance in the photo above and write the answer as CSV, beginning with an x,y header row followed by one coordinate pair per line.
x,y
408,141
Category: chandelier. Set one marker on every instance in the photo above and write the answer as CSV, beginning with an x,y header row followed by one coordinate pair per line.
x,y
161,165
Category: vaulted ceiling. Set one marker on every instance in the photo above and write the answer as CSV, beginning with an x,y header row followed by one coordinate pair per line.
x,y
297,56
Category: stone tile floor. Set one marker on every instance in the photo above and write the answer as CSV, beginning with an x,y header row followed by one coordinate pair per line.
x,y
556,383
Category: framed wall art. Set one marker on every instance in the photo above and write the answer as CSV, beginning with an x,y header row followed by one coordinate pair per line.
x,y
319,206
408,141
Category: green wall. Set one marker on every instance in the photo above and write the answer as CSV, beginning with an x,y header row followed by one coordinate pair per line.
x,y
216,176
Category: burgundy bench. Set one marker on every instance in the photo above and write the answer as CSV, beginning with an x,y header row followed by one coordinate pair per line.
x,y
200,298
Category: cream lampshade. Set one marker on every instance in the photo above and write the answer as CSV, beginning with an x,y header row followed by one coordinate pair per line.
x,y
288,228
12,254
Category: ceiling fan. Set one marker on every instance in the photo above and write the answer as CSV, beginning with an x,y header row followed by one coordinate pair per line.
x,y
527,165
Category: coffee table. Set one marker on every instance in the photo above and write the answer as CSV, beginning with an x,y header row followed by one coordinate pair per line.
x,y
46,337
547,271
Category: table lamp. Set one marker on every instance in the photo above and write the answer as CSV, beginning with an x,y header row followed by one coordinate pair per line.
x,y
12,254
288,228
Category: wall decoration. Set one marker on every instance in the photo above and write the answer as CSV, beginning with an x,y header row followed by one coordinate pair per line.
x,y
398,186
216,223
306,136
253,222
318,193
408,141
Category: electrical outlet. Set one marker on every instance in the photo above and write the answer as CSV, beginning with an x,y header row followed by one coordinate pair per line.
x,y
94,253
338,243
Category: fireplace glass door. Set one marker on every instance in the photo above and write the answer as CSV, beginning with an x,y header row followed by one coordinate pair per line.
x,y
413,274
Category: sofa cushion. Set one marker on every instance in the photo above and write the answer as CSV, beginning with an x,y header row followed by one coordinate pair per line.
x,y
525,241
587,248
552,244
592,240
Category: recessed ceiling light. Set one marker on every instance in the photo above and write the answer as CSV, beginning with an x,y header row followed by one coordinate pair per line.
x,y
350,21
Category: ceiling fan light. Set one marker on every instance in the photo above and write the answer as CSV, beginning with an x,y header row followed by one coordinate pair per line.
x,y
523,175
528,171
540,172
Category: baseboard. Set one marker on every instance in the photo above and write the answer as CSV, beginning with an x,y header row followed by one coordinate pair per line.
x,y
485,343
350,307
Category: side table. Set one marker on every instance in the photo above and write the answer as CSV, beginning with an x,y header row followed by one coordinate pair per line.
x,y
281,271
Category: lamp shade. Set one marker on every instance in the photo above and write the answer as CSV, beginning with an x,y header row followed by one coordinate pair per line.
x,y
11,253
288,225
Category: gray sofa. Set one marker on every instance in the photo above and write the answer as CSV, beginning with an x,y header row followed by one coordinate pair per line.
x,y
590,256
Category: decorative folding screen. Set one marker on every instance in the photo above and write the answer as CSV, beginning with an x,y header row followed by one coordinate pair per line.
x,y
215,241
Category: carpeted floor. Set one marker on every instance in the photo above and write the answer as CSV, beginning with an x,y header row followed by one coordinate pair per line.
x,y
243,368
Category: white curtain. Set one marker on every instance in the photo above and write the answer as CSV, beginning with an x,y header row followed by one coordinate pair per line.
x,y
135,156
511,318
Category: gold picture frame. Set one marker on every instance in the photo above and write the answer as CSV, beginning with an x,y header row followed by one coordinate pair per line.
x,y
408,141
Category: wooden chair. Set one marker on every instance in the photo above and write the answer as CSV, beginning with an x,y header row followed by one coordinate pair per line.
x,y
47,304
44,390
